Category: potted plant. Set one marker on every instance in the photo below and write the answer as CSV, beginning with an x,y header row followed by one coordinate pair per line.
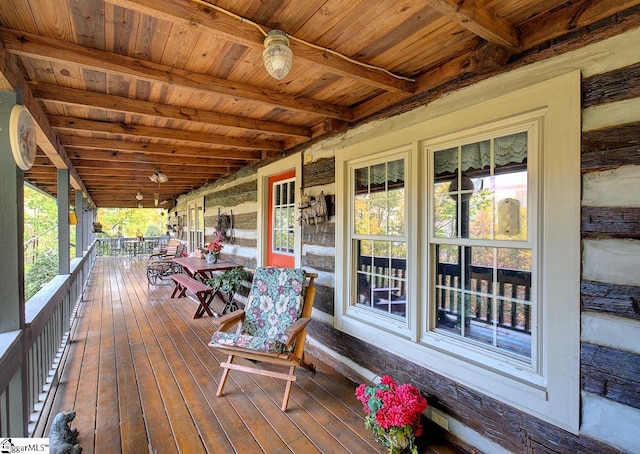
x,y
212,250
393,413
228,281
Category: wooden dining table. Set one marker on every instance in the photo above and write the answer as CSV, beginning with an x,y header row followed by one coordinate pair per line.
x,y
202,270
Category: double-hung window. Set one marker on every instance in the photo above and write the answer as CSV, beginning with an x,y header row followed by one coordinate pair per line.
x,y
481,247
378,236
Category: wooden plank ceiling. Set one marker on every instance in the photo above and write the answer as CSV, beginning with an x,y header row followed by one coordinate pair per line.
x,y
124,88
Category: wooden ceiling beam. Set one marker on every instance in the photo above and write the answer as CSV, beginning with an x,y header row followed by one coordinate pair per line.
x,y
128,192
474,17
138,178
107,157
224,27
575,14
176,173
121,104
121,129
46,137
124,199
155,149
144,168
39,47
133,186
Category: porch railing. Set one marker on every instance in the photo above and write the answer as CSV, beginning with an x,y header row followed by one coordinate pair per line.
x,y
29,357
129,246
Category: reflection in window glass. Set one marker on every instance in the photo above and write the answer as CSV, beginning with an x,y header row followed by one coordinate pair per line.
x,y
483,292
379,246
480,190
487,299
283,216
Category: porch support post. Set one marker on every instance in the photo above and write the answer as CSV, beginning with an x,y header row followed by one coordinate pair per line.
x,y
11,226
12,275
63,222
80,226
88,224
93,216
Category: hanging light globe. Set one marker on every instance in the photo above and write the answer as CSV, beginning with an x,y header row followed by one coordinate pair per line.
x,y
277,55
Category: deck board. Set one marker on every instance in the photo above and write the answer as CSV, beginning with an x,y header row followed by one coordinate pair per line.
x,y
141,377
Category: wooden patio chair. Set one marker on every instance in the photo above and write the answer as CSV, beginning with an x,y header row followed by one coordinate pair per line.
x,y
271,328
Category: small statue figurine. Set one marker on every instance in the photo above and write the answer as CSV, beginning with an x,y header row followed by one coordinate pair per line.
x,y
62,438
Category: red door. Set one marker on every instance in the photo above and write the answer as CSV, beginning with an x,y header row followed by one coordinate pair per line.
x,y
281,220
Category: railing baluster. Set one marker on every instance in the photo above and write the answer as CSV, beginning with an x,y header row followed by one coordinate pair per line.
x,y
48,320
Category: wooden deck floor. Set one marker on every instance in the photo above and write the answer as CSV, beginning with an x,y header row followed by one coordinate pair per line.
x,y
141,378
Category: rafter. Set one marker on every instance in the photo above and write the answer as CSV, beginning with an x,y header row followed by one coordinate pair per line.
x,y
480,21
129,130
125,146
144,167
576,14
106,157
114,103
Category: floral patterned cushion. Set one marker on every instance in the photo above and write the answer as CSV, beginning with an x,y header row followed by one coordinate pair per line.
x,y
274,303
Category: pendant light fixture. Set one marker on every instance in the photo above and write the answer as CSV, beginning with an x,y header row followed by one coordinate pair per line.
x,y
277,55
159,177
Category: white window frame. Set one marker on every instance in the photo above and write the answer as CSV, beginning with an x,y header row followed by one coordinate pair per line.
x,y
195,236
373,317
551,389
531,123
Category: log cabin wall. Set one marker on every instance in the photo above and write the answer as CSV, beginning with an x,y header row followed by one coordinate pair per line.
x,y
235,197
610,283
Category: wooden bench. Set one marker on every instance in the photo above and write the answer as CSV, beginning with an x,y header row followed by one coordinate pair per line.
x,y
202,291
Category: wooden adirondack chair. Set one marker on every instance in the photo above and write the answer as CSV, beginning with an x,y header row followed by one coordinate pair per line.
x,y
271,328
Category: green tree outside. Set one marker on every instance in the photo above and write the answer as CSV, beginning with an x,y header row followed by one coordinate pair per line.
x,y
41,233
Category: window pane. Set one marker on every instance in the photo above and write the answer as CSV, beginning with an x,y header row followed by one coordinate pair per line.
x,y
445,212
448,283
514,300
379,199
381,276
481,208
276,193
378,213
476,156
395,198
290,242
361,202
292,193
511,213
